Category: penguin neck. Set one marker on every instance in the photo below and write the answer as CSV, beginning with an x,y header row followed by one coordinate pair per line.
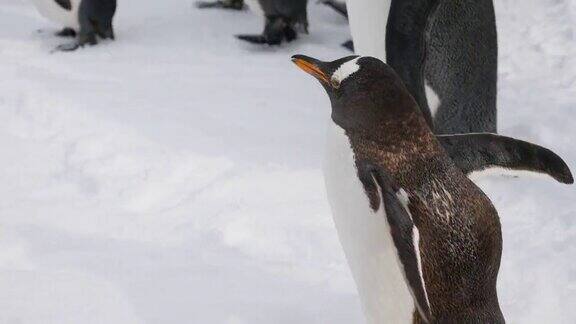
x,y
368,25
395,145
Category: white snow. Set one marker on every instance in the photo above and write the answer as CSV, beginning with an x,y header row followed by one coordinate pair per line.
x,y
174,175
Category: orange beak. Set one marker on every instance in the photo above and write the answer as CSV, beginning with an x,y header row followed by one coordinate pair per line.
x,y
309,65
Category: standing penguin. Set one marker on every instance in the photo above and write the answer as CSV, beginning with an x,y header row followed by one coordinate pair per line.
x,y
445,51
85,18
283,18
423,242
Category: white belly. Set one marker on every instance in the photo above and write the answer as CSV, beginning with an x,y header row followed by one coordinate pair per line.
x,y
365,238
368,20
52,11
254,6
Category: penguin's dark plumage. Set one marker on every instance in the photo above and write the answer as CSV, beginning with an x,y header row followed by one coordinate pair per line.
x,y
462,34
397,195
283,19
445,51
84,19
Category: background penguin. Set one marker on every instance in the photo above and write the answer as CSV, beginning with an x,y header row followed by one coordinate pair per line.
x,y
224,4
340,7
85,18
445,51
283,18
396,195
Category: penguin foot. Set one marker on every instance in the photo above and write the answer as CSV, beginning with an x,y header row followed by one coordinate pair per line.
x,y
89,39
66,32
221,4
259,39
107,33
276,30
69,47
349,45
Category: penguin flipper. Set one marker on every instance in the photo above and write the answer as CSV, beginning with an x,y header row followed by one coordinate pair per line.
x,y
398,207
66,4
477,153
337,6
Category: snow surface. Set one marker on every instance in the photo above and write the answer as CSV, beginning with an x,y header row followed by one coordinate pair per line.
x,y
173,176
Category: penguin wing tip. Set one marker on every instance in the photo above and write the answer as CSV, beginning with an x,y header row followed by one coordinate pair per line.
x,y
567,178
558,168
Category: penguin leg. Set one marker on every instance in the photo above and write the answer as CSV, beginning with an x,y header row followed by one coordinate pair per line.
x,y
95,18
339,7
87,35
275,30
480,153
221,4
100,14
66,32
105,31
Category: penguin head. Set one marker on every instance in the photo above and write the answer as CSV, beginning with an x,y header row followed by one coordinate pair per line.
x,y
365,93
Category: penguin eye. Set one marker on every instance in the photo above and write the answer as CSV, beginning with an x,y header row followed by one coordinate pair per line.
x,y
335,83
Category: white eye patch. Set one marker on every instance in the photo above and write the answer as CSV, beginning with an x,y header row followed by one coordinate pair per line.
x,y
345,70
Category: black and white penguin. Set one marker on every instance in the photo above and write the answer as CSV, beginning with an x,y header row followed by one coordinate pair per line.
x,y
445,51
222,4
85,18
283,20
423,242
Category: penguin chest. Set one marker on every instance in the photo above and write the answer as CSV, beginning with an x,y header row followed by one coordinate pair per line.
x,y
365,237
368,21
51,10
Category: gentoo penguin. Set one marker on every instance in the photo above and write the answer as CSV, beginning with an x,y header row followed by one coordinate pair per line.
x,y
224,4
283,18
85,18
423,242
445,51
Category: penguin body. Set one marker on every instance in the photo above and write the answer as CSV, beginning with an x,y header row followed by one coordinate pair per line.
x,y
422,241
283,20
88,19
467,92
445,51
365,237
